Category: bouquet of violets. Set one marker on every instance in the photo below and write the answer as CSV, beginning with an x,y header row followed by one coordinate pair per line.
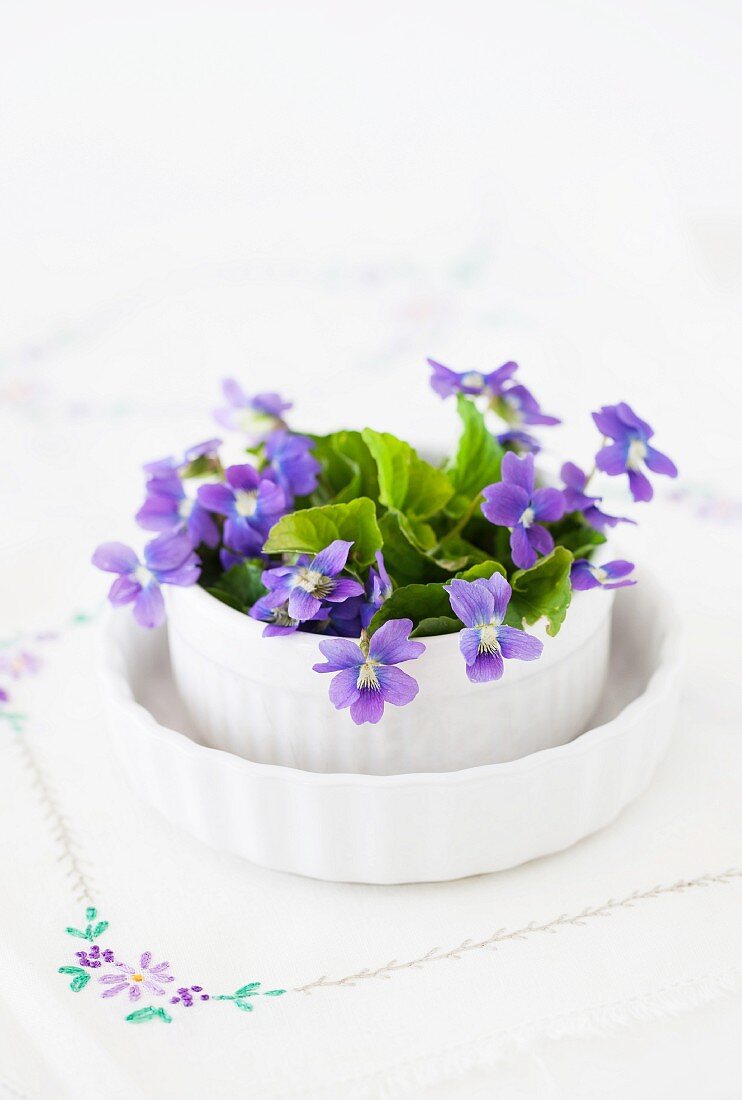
x,y
355,537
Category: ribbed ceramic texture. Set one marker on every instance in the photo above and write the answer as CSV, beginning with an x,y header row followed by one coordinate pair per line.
x,y
403,828
259,698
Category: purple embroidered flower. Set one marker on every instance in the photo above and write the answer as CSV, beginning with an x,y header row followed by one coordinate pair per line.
x,y
515,503
251,503
185,995
367,676
612,574
94,958
256,416
168,559
304,587
277,619
354,615
174,467
19,664
168,508
291,463
484,641
447,382
576,500
630,449
151,978
518,407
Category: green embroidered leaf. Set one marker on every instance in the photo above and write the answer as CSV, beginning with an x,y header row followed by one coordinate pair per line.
x,y
309,531
441,624
76,932
99,929
241,585
91,914
406,482
483,569
70,970
244,1005
247,990
348,468
543,591
142,1015
79,982
478,457
274,992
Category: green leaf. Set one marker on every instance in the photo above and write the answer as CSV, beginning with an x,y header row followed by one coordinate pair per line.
x,y
455,553
274,992
406,482
414,601
79,982
483,569
244,1005
70,970
543,591
91,914
240,586
577,536
404,559
247,990
348,468
478,457
440,624
76,932
142,1015
309,531
99,929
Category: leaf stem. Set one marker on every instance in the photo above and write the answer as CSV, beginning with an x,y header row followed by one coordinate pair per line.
x,y
461,524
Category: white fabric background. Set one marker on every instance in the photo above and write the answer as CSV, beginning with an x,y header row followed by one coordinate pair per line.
x,y
317,198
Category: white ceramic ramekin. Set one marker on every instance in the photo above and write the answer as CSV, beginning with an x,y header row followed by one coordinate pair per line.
x,y
259,697
400,828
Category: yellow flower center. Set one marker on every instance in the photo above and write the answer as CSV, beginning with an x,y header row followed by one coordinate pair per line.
x,y
137,977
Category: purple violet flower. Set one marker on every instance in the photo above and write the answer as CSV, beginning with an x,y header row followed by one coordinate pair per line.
x,y
151,978
447,382
168,559
168,508
576,500
518,407
515,503
304,587
484,641
252,504
277,619
354,615
174,467
256,416
630,449
612,574
520,441
291,463
367,676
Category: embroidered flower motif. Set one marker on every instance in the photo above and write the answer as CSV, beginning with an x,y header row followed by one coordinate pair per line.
x,y
291,463
18,664
481,605
185,996
612,574
367,676
630,450
93,958
168,559
447,382
576,499
152,979
256,416
252,504
304,587
515,503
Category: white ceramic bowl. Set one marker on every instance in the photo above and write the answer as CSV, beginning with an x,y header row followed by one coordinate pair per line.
x,y
259,698
400,828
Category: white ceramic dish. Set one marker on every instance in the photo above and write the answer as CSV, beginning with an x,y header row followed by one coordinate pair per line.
x,y
259,698
402,828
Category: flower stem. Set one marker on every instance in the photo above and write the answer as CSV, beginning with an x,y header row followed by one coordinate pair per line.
x,y
459,527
